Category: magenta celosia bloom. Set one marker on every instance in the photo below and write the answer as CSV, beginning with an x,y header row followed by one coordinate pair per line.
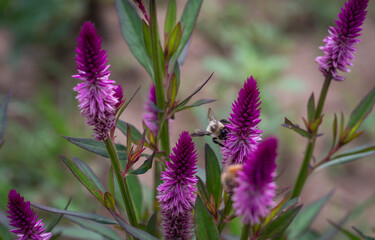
x,y
96,92
244,134
151,116
254,194
339,44
178,192
119,95
23,218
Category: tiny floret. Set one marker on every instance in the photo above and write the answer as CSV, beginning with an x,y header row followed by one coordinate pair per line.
x,y
98,97
253,197
23,218
339,44
178,192
243,135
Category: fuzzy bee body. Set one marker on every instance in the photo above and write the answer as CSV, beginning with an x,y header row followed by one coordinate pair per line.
x,y
216,129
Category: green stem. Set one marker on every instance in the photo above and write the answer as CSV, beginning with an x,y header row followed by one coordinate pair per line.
x,y
304,171
226,211
245,232
123,184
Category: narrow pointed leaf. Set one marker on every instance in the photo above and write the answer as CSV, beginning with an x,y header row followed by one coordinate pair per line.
x,y
298,130
136,194
3,114
188,20
311,108
196,104
170,18
349,156
122,126
85,169
147,37
202,191
83,178
57,219
174,40
278,225
362,109
363,235
213,174
109,201
302,222
101,229
97,147
347,233
151,225
334,128
123,106
128,142
146,165
89,216
205,227
135,232
132,31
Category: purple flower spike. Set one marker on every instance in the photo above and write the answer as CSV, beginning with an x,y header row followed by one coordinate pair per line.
x,y
178,192
96,94
119,95
254,195
244,134
339,44
151,116
23,218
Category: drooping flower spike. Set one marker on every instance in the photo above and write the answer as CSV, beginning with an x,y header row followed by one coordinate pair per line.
x,y
253,197
97,95
339,44
178,192
23,218
243,135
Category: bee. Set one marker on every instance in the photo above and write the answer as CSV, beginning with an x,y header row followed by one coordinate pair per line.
x,y
216,129
229,177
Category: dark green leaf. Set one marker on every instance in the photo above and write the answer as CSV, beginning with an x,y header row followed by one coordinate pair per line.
x,y
349,156
298,130
348,234
196,104
146,165
202,191
136,194
151,225
83,178
147,37
57,219
188,20
362,109
363,235
101,229
205,227
132,31
90,174
172,90
89,216
311,108
97,147
334,128
279,224
174,40
122,126
135,232
3,114
213,174
302,222
170,17
289,203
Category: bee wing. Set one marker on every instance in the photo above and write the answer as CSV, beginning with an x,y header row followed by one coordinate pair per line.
x,y
211,115
200,132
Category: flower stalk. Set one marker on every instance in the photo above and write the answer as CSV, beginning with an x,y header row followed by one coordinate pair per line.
x,y
245,232
124,188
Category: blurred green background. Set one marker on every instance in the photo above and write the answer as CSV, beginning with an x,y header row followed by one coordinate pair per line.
x,y
275,41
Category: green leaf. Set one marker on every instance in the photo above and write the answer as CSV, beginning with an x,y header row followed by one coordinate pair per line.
x,y
151,225
349,156
136,194
362,109
213,174
188,20
97,147
348,234
88,183
101,229
279,224
89,216
311,108
3,115
298,130
196,104
363,235
302,222
146,165
132,31
57,219
170,17
85,169
124,106
172,90
135,232
334,129
174,40
147,37
205,227
202,191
